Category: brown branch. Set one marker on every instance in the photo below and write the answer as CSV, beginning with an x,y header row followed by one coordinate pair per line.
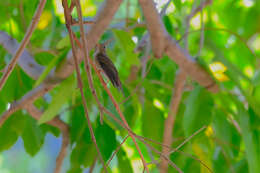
x,y
117,149
179,87
162,155
194,11
80,83
169,122
36,114
144,40
164,43
26,99
86,59
63,151
202,35
25,41
91,169
188,139
156,33
141,138
26,61
178,147
104,16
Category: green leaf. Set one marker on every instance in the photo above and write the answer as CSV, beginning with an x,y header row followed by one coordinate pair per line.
x,y
127,45
44,58
33,137
17,84
124,164
83,154
250,138
130,113
227,133
198,111
75,170
10,130
55,61
219,161
106,140
48,128
64,42
256,79
79,129
168,24
59,99
152,122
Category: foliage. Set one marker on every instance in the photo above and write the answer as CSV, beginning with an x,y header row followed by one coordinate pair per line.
x,y
231,141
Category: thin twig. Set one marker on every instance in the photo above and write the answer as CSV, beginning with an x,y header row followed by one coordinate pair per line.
x,y
201,32
187,24
169,122
80,83
162,155
86,60
188,139
25,41
117,149
141,138
138,84
91,169
195,158
244,41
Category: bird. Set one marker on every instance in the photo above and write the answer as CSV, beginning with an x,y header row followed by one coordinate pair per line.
x,y
104,64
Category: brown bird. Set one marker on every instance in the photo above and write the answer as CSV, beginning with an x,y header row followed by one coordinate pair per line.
x,y
106,65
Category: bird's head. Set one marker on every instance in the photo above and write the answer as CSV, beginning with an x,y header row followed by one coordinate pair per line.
x,y
100,48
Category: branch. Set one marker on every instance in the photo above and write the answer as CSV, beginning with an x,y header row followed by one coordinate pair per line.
x,y
86,59
153,19
25,41
103,18
125,124
162,155
26,61
178,90
188,139
63,151
160,38
144,39
30,97
169,122
117,149
79,79
194,11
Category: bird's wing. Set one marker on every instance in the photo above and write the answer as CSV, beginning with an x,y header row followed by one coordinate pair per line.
x,y
109,69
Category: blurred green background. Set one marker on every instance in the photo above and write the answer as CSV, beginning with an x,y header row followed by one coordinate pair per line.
x,y
231,51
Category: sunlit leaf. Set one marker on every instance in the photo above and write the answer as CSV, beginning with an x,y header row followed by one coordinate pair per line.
x,y
60,98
